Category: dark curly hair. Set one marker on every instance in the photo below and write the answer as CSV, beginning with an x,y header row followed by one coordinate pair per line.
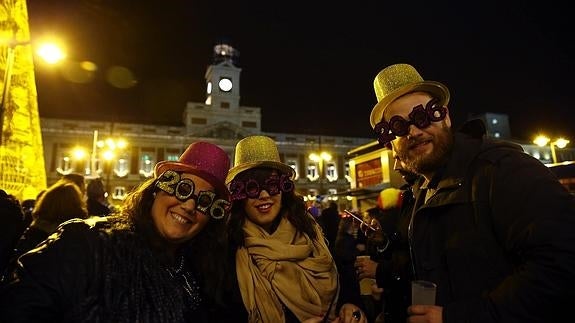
x,y
136,255
293,208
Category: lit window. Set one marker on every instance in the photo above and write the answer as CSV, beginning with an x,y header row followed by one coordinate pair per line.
x,y
346,172
119,193
312,173
172,157
496,135
332,194
331,172
147,165
494,121
122,167
65,165
293,165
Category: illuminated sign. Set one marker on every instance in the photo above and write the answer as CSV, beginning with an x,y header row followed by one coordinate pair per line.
x,y
368,173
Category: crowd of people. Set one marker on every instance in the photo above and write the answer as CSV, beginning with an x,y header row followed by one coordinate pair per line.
x,y
208,241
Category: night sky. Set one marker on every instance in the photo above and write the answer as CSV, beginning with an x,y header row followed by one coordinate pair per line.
x,y
310,67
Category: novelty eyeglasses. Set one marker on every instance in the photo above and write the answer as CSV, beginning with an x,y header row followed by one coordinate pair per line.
x,y
206,202
251,188
420,117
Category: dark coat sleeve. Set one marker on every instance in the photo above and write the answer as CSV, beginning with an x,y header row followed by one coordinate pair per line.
x,y
51,279
533,219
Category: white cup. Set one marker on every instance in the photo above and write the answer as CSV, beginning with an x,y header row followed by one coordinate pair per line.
x,y
423,292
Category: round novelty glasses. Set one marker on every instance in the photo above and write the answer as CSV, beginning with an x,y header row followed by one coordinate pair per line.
x,y
251,188
206,202
420,117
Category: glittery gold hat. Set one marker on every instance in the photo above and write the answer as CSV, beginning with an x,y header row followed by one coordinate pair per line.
x,y
257,151
397,80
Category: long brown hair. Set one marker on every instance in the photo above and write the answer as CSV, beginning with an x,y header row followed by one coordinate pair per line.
x,y
206,252
61,202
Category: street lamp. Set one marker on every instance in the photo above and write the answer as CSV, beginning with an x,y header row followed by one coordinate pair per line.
x,y
542,141
49,52
111,148
320,159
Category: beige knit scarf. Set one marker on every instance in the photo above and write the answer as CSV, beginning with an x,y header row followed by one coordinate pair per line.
x,y
285,267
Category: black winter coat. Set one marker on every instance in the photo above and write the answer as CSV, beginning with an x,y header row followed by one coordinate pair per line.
x,y
87,272
497,236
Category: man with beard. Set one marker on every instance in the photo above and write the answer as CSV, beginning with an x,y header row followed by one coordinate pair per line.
x,y
492,227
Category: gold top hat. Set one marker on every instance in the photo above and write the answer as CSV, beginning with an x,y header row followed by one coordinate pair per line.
x,y
397,80
257,151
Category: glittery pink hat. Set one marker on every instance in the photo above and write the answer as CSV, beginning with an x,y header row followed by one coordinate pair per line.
x,y
203,159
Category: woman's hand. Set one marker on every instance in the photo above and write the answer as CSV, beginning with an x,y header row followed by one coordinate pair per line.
x,y
350,313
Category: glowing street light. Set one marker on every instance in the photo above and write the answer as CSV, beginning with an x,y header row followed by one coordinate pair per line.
x,y
320,159
542,141
50,52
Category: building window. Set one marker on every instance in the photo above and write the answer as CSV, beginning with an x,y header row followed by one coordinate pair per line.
x,y
119,193
346,172
312,171
64,165
249,124
331,171
172,157
293,164
122,167
332,194
224,105
147,165
199,121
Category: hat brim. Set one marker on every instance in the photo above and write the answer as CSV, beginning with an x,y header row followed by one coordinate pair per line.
x,y
286,169
436,89
163,166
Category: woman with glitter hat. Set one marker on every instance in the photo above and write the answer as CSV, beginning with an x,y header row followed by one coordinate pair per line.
x,y
284,270
162,259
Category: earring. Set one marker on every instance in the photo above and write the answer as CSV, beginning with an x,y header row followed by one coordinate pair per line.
x,y
154,194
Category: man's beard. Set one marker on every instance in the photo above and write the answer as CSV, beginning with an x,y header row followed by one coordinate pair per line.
x,y
425,164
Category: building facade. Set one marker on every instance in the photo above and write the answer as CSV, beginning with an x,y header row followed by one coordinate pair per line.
x,y
124,154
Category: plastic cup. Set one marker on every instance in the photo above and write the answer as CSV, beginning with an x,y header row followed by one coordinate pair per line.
x,y
365,283
423,292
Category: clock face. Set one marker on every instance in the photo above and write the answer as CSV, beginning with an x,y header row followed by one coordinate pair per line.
x,y
225,84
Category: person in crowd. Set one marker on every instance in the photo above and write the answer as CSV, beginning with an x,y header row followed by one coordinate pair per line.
x,y
162,258
491,225
12,225
389,250
284,270
347,248
77,179
27,208
97,203
329,222
61,202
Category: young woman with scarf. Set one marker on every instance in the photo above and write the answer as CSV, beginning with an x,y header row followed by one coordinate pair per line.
x,y
284,270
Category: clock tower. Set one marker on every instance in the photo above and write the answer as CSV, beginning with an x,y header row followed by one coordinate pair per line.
x,y
221,115
223,79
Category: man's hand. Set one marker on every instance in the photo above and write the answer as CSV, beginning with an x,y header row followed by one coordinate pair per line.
x,y
365,268
425,314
